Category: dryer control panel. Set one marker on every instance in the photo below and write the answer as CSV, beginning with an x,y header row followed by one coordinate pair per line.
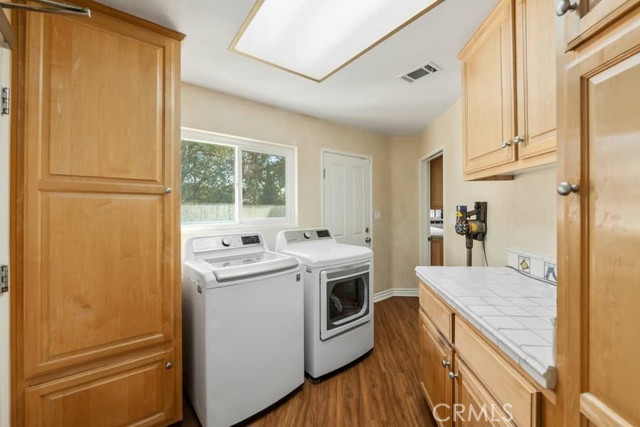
x,y
295,236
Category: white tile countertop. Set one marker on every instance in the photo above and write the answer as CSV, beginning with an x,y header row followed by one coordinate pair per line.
x,y
515,312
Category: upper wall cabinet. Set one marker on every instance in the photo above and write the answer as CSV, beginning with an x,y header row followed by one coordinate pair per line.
x,y
509,90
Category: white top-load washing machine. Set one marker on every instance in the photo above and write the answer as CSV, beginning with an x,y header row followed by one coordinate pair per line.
x,y
338,298
243,327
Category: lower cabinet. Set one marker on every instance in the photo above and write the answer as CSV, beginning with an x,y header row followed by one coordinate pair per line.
x,y
137,392
474,405
465,382
435,362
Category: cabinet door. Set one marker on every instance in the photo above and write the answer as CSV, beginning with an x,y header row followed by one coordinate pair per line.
x,y
598,332
488,92
435,362
591,17
475,406
101,254
135,393
536,76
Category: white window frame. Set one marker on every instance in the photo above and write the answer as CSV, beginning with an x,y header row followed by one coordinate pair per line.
x,y
289,152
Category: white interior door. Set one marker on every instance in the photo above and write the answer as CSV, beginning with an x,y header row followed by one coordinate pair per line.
x,y
347,198
5,67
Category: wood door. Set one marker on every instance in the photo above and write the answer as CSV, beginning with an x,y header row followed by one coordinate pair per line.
x,y
346,192
536,76
437,251
137,392
435,362
436,183
488,92
98,203
477,407
598,230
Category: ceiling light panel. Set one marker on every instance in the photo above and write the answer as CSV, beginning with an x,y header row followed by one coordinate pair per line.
x,y
316,38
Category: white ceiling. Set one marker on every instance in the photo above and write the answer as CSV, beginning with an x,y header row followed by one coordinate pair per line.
x,y
365,94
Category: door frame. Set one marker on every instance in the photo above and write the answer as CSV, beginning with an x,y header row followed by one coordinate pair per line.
x,y
324,151
424,197
5,203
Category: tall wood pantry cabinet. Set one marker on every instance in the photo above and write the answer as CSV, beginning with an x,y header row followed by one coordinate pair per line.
x,y
598,232
96,312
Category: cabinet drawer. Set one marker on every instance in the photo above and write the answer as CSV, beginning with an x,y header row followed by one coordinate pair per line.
x,y
437,311
501,380
134,393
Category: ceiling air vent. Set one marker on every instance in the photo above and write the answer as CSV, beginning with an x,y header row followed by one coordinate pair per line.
x,y
425,70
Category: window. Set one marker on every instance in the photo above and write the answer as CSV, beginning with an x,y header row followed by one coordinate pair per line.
x,y
227,180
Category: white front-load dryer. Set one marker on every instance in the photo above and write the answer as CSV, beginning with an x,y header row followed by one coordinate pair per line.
x,y
338,298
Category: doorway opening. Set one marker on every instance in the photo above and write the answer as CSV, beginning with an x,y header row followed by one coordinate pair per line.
x,y
432,211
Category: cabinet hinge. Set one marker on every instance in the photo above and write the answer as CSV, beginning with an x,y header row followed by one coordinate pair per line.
x,y
4,278
5,104
324,174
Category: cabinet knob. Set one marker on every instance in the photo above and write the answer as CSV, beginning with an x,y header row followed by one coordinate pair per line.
x,y
518,139
445,363
168,190
168,365
565,188
453,375
505,144
566,6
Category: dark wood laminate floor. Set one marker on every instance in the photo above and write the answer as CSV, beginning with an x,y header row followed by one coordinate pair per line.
x,y
381,390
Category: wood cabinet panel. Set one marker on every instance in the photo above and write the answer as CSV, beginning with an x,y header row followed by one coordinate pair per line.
x,y
488,92
598,320
434,375
124,79
100,279
503,382
136,393
479,409
536,76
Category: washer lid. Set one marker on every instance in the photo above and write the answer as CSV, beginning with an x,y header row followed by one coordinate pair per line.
x,y
239,267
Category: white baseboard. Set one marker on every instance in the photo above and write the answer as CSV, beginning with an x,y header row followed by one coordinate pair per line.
x,y
395,292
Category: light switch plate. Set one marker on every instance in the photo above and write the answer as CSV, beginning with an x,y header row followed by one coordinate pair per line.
x,y
377,215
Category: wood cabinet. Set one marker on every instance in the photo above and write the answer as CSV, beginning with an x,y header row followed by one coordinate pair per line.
x,y
509,90
99,271
488,93
598,232
436,358
488,388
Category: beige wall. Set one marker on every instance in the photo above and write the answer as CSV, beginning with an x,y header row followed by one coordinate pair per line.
x,y
521,213
404,210
212,111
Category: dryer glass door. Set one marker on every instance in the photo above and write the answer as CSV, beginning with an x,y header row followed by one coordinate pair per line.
x,y
345,299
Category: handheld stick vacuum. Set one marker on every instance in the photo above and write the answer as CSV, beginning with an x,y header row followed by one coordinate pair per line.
x,y
472,229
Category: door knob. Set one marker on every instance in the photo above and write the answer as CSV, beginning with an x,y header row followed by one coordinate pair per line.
x,y
566,6
453,376
367,240
565,188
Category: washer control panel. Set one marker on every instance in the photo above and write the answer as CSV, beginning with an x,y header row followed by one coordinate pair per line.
x,y
213,243
295,236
